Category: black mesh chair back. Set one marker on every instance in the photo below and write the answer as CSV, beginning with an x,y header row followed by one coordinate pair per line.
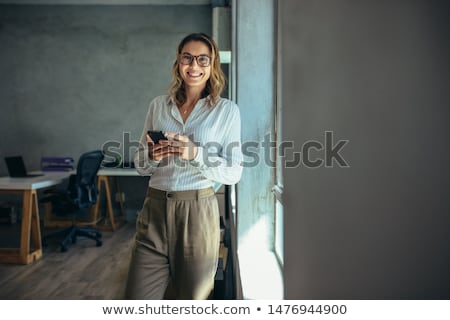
x,y
81,193
87,169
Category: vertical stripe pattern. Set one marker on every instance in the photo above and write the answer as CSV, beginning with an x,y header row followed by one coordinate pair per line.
x,y
216,130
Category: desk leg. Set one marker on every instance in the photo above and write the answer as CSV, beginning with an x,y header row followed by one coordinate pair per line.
x,y
30,228
103,180
122,210
35,224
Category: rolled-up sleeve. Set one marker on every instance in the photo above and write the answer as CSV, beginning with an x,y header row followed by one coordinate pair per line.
x,y
223,165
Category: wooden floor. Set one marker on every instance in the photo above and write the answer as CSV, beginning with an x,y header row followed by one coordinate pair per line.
x,y
83,272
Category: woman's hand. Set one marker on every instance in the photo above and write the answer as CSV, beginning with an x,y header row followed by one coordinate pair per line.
x,y
180,145
157,151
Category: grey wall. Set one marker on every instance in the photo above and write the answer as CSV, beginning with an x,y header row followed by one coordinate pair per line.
x,y
75,77
375,73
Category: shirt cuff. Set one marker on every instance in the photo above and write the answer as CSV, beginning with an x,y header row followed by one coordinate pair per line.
x,y
146,166
198,160
153,163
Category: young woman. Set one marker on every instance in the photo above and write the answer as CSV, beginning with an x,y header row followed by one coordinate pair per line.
x,y
177,231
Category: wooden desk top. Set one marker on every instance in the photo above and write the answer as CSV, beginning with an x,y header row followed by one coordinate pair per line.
x,y
48,179
116,172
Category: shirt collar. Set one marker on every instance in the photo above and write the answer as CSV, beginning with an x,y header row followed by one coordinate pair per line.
x,y
170,100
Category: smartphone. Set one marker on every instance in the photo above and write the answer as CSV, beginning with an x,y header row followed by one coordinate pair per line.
x,y
156,135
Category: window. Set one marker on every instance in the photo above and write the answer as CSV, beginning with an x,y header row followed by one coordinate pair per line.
x,y
278,187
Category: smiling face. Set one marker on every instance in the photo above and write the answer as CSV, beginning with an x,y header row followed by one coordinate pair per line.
x,y
194,75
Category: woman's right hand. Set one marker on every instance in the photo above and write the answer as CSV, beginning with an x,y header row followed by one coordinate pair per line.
x,y
156,151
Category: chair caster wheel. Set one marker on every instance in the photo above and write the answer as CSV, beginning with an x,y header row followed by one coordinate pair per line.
x,y
99,243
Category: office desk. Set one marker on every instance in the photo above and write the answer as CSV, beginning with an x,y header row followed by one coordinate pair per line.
x,y
30,229
103,186
103,222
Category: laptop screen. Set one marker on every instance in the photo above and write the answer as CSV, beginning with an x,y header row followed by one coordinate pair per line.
x,y
16,166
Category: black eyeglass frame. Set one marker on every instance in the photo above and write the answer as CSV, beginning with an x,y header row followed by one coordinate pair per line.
x,y
192,57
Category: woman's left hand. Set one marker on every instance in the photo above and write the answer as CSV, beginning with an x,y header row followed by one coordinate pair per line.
x,y
180,145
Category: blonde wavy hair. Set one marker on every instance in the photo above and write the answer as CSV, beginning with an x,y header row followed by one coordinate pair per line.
x,y
216,81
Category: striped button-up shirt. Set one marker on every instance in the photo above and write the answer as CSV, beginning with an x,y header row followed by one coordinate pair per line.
x,y
217,133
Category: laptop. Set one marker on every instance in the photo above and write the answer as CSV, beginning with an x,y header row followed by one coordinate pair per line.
x,y
16,168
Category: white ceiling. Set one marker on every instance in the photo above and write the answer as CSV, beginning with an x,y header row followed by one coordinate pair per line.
x,y
108,2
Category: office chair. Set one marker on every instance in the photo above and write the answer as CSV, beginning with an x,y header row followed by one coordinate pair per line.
x,y
81,193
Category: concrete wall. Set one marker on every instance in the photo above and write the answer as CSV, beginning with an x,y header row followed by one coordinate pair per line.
x,y
375,73
75,77
255,63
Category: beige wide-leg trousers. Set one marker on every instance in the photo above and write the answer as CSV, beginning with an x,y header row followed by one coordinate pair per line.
x,y
176,251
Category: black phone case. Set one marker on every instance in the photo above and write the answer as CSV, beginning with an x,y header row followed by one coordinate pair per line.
x,y
156,136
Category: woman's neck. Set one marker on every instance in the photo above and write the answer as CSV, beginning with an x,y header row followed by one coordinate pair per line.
x,y
193,95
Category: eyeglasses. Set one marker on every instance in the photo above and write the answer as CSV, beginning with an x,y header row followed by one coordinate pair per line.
x,y
202,60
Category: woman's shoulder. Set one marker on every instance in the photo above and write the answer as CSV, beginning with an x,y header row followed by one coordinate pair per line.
x,y
162,99
227,105
159,102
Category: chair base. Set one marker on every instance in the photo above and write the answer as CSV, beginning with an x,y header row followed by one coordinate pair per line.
x,y
71,234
